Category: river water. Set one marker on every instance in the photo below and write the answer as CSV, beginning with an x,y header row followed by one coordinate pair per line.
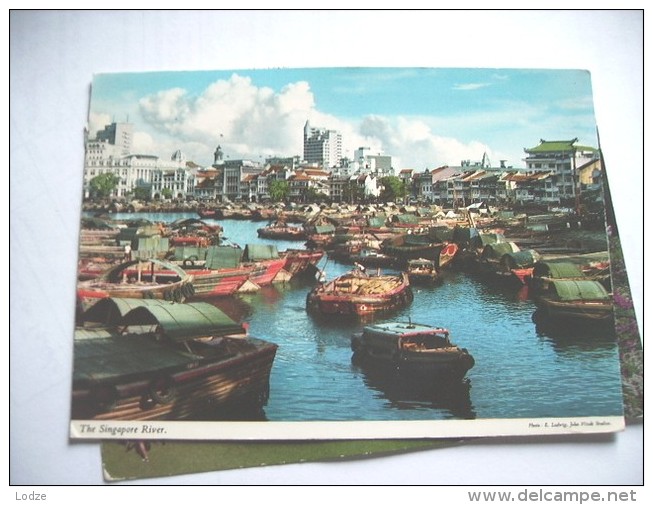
x,y
521,371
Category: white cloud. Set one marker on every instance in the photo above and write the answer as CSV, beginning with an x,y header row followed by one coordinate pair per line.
x,y
252,122
413,144
97,122
470,86
245,120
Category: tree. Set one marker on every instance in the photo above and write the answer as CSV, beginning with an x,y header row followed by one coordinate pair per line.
x,y
101,186
393,188
279,190
166,193
352,192
142,193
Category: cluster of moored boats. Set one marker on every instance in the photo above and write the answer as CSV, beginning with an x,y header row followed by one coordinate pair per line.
x,y
147,345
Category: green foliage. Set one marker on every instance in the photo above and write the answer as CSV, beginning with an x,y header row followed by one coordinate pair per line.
x,y
101,186
142,194
393,188
353,193
279,190
166,193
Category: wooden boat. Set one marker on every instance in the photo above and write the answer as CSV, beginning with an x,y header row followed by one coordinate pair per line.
x,y
137,279
577,300
282,231
447,254
265,261
359,294
300,261
152,359
210,213
373,258
412,348
517,267
422,271
407,247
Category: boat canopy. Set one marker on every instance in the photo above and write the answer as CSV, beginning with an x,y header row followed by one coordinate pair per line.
x,y
484,239
441,234
376,222
571,290
111,311
178,321
218,257
405,219
519,259
260,252
147,246
497,250
557,270
184,321
184,252
325,229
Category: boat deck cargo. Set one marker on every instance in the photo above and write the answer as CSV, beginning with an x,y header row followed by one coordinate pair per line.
x,y
356,293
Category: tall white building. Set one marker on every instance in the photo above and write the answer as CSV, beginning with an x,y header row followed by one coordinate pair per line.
x,y
110,152
322,146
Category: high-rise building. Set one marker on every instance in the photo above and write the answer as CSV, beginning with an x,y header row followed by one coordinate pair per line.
x,y
322,146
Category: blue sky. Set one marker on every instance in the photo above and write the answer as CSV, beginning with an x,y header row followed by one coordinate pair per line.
x,y
422,117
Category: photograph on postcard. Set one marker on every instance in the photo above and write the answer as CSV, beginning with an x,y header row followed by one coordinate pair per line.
x,y
338,253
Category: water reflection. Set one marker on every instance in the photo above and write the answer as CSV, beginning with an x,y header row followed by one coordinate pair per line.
x,y
575,336
407,392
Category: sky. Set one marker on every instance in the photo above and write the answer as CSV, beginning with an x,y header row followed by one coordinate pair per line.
x,y
422,117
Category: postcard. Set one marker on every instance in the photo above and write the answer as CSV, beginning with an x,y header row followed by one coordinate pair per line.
x,y
148,459
344,253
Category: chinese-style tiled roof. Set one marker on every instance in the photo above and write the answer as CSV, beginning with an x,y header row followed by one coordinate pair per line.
x,y
549,146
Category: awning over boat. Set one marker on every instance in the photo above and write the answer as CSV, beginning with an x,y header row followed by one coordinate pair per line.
x,y
497,250
405,219
557,270
111,311
218,257
189,252
325,229
484,239
260,252
376,222
178,321
106,359
184,321
519,259
569,290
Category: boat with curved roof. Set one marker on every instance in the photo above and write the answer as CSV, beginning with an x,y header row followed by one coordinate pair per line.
x,y
574,300
157,360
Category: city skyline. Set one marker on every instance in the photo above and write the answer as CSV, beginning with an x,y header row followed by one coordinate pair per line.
x,y
422,117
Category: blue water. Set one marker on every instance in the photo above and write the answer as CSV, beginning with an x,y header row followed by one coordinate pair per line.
x,y
521,371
